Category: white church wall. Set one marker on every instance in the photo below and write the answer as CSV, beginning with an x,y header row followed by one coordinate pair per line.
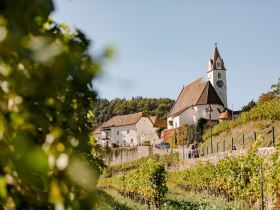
x,y
176,121
201,111
186,117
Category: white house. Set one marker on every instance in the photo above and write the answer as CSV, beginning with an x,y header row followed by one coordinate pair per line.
x,y
127,130
201,98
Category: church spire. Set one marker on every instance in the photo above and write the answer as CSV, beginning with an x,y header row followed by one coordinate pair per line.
x,y
217,75
216,62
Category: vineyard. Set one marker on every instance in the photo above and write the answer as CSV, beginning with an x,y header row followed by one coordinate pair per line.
x,y
146,184
248,181
165,160
269,110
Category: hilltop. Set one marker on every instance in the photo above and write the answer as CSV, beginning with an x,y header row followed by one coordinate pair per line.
x,y
105,109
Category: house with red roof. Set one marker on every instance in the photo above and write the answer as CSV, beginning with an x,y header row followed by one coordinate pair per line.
x,y
128,130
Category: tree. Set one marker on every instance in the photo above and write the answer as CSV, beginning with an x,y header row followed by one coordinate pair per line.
x,y
249,106
275,92
276,88
48,158
104,110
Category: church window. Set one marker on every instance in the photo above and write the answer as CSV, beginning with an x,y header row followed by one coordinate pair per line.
x,y
218,64
219,75
118,132
127,131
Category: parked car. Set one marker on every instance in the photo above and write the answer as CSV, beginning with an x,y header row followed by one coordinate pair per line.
x,y
163,145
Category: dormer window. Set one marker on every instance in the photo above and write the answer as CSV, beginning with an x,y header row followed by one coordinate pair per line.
x,y
219,64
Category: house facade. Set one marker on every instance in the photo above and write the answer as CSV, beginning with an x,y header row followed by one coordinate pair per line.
x,y
127,130
201,98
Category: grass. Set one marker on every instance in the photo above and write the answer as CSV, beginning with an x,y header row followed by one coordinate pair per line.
x,y
179,198
263,128
106,201
176,199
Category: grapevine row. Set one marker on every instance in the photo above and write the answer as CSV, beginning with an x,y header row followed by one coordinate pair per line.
x,y
166,160
236,178
144,183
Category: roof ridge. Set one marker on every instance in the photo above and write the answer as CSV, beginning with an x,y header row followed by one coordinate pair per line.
x,y
207,83
175,102
190,97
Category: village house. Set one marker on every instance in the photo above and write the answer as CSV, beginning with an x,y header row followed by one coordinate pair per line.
x,y
201,98
128,130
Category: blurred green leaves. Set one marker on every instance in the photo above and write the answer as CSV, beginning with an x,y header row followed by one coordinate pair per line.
x,y
46,72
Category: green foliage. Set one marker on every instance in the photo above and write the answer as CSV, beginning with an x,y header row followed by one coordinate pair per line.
x,y
178,136
181,135
249,106
276,88
159,130
104,109
147,182
269,110
275,92
46,98
106,201
183,202
236,178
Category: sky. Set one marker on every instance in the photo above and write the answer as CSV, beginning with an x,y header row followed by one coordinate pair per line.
x,y
161,45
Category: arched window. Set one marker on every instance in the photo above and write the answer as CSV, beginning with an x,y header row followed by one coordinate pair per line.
x,y
219,75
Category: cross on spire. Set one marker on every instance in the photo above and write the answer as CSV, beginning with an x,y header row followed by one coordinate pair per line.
x,y
216,44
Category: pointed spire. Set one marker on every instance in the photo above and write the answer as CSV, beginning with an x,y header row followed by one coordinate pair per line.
x,y
214,58
216,54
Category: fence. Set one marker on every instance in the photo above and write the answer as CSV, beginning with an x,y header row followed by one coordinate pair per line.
x,y
235,143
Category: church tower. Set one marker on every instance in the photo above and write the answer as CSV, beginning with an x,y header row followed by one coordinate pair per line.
x,y
217,75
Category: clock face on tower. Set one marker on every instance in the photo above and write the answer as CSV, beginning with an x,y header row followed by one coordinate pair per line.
x,y
220,84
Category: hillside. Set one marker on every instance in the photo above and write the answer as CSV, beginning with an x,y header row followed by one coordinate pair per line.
x,y
104,109
259,121
263,128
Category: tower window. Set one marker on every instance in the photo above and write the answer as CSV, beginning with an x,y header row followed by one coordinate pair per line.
x,y
218,64
219,75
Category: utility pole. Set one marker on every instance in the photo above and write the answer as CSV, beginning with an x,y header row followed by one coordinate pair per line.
x,y
210,110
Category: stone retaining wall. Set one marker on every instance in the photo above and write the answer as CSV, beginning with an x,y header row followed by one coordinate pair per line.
x,y
186,163
122,155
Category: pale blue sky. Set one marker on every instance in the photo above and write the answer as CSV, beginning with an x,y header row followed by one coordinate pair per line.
x,y
162,45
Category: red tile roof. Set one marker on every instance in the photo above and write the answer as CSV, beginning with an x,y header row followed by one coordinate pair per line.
x,y
225,115
123,120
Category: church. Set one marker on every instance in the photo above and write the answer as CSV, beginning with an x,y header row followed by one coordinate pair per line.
x,y
201,98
